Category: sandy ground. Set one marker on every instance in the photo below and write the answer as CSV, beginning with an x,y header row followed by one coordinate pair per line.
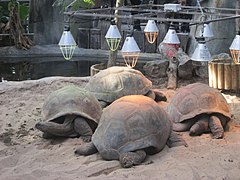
x,y
24,155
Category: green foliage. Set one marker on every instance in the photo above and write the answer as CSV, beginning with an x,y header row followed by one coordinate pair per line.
x,y
1,11
4,9
86,4
23,9
218,3
59,3
11,5
4,14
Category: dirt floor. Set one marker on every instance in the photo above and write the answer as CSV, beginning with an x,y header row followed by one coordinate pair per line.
x,y
25,155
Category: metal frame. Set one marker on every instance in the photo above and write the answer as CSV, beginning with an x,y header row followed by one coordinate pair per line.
x,y
153,11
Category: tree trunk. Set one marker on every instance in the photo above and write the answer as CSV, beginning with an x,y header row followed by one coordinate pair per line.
x,y
112,58
172,73
113,54
21,41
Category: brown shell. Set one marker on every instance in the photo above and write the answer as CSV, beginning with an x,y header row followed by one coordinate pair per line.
x,y
131,123
115,82
196,99
71,100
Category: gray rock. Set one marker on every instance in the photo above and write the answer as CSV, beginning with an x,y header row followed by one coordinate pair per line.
x,y
201,69
156,69
185,67
222,56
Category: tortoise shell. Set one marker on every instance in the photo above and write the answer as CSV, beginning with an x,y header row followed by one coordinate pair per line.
x,y
132,123
196,99
71,100
115,82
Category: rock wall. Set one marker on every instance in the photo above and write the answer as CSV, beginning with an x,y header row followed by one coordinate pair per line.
x,y
224,31
45,21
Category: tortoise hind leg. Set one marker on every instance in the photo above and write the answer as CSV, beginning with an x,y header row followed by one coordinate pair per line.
x,y
86,149
83,129
200,127
216,126
129,159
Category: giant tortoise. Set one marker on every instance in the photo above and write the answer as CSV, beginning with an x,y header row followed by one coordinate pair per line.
x,y
117,81
70,112
199,108
130,128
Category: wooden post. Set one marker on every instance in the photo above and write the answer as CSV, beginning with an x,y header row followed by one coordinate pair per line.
x,y
238,30
234,77
83,38
95,39
104,28
227,76
238,76
215,75
118,21
220,77
210,74
139,37
147,47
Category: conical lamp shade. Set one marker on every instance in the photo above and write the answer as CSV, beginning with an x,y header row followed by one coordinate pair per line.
x,y
207,32
130,45
235,49
113,32
151,31
171,37
201,53
130,51
151,26
67,44
113,37
236,43
67,39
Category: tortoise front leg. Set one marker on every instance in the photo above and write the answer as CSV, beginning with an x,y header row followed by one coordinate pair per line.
x,y
46,135
216,127
129,159
175,140
52,128
83,129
